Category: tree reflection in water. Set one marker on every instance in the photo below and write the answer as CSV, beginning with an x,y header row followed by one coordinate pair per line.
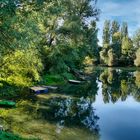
x,y
75,112
70,112
119,84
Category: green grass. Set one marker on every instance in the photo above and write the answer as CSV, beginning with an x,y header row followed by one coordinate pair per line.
x,y
56,79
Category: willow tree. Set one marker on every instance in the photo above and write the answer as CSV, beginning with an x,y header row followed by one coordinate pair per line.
x,y
67,33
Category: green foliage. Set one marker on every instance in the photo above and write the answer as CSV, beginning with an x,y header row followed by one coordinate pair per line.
x,y
21,67
128,51
49,34
20,61
117,37
114,29
120,51
104,56
54,79
137,60
69,38
137,78
91,42
111,50
111,58
127,46
124,30
136,39
7,8
106,32
10,136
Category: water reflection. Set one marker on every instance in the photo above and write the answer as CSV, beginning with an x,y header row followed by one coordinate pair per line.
x,y
119,84
71,112
52,118
76,112
137,78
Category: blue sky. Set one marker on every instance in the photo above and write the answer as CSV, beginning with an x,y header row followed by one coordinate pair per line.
x,y
120,10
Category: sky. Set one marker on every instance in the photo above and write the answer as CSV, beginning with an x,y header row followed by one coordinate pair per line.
x,y
120,10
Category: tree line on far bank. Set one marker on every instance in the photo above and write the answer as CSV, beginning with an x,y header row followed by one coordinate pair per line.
x,y
118,48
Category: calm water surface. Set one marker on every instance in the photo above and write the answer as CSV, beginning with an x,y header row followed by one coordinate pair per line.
x,y
107,107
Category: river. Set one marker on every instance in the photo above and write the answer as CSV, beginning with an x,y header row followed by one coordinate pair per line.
x,y
106,107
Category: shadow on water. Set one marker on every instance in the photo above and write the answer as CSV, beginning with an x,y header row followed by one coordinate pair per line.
x,y
88,88
70,113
